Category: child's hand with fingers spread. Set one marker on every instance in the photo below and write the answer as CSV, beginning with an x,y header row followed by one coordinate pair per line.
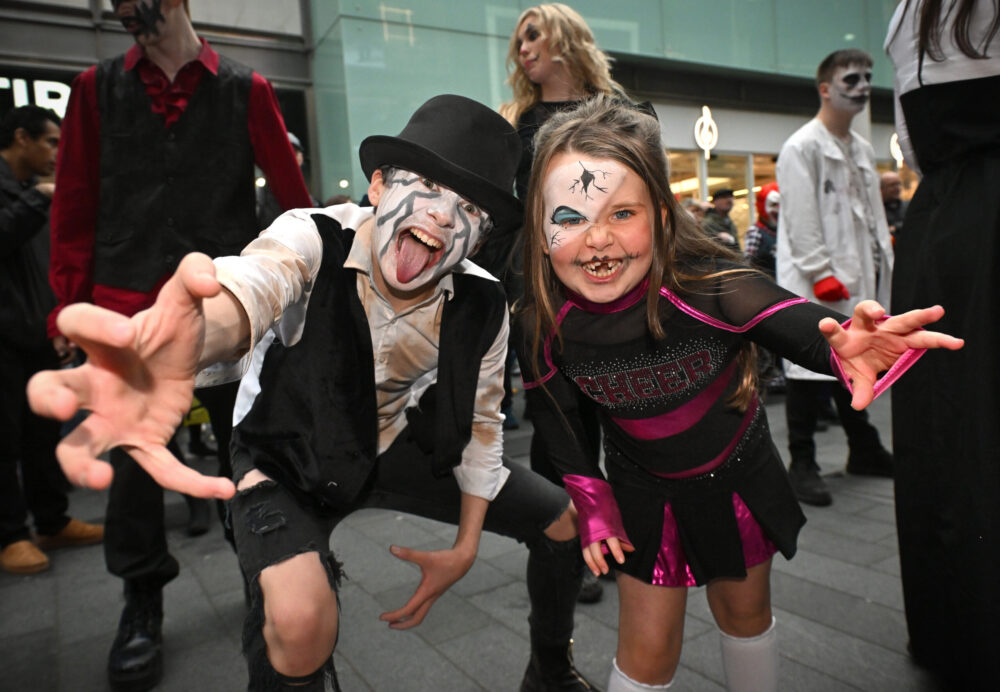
x,y
872,343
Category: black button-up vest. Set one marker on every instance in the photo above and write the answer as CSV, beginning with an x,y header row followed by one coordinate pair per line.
x,y
165,192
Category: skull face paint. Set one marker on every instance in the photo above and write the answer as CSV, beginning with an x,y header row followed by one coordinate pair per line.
x,y
141,18
850,87
422,230
598,226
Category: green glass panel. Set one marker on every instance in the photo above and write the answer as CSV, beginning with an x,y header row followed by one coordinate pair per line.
x,y
733,33
388,71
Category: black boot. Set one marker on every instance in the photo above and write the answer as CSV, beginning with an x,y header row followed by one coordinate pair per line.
x,y
135,663
808,486
551,669
591,590
873,462
555,571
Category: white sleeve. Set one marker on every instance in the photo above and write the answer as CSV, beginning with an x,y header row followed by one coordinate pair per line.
x,y
272,279
481,472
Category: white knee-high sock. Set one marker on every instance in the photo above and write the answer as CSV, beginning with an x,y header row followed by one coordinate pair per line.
x,y
619,682
751,663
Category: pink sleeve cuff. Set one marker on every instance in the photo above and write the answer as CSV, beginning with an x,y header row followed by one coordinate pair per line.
x,y
598,514
902,364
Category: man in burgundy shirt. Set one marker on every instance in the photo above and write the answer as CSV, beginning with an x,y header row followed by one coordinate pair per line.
x,y
157,160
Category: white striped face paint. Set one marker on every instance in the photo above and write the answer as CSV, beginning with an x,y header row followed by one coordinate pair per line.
x,y
422,230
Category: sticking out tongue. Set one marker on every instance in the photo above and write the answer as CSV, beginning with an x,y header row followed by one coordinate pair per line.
x,y
411,258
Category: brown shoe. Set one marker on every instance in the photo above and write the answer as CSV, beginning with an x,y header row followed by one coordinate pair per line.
x,y
22,557
76,532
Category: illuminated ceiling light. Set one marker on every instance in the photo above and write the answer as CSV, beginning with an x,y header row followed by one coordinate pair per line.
x,y
691,184
849,37
260,182
344,183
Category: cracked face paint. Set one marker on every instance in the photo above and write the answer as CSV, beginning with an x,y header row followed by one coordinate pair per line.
x,y
850,87
422,230
598,226
141,18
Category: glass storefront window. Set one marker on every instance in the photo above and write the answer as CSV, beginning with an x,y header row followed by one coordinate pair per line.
x,y
683,171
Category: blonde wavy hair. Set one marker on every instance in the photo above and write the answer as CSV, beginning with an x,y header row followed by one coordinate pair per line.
x,y
570,41
606,128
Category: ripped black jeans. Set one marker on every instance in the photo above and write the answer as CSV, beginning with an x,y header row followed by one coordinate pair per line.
x,y
271,524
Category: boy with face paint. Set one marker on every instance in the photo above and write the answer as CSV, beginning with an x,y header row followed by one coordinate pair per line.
x,y
157,160
833,247
373,353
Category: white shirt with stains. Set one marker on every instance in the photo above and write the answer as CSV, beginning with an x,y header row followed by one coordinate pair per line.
x,y
273,279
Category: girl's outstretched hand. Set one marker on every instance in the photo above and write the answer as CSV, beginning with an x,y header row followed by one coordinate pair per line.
x,y
872,343
593,554
137,383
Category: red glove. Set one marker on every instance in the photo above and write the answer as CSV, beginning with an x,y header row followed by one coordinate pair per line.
x,y
830,289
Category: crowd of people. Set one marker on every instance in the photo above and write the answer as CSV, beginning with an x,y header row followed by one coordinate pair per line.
x,y
360,355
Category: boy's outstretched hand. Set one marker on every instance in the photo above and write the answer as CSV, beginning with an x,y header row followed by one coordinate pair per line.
x,y
872,343
137,383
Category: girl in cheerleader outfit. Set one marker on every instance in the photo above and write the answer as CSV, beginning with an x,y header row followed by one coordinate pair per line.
x,y
629,303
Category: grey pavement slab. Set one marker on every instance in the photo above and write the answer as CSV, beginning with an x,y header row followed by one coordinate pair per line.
x,y
838,604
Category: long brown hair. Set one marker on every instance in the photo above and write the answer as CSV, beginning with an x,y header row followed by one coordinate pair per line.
x,y
608,128
570,41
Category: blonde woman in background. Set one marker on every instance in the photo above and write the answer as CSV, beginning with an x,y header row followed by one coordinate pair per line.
x,y
553,64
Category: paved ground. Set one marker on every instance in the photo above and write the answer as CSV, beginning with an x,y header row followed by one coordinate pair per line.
x,y
838,605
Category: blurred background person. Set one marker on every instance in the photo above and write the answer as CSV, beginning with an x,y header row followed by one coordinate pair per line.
x,y
30,477
157,160
761,239
553,64
695,208
717,223
833,248
892,202
944,416
760,250
268,207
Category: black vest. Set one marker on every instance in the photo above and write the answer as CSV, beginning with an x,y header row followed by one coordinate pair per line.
x,y
166,192
313,427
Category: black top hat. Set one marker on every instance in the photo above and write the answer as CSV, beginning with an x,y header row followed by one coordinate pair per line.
x,y
460,144
722,194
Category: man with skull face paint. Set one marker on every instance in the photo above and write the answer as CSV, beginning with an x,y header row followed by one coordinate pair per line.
x,y
833,247
373,353
157,160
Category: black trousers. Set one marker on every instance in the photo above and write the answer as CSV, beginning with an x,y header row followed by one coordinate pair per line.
x,y
135,542
28,442
272,524
802,404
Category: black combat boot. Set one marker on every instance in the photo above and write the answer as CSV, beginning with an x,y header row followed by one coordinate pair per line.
x,y
551,669
555,571
135,663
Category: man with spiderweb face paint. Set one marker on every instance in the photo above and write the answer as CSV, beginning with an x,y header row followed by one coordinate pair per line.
x,y
833,246
373,354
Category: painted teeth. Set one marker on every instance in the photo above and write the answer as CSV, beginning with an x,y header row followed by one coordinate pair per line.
x,y
426,239
603,268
